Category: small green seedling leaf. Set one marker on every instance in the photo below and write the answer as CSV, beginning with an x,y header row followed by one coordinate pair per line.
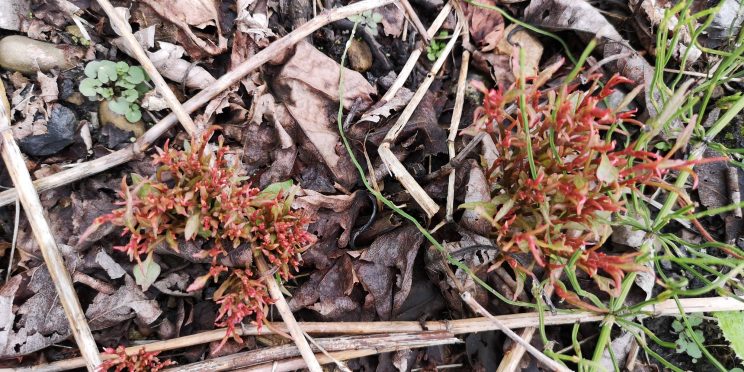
x,y
122,67
135,75
91,69
119,106
88,87
106,71
376,17
677,326
134,114
146,272
130,95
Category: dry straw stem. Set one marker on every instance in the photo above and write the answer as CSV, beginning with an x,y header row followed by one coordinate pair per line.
x,y
405,72
513,356
109,161
416,21
542,358
429,206
462,79
16,166
289,320
396,341
459,326
125,30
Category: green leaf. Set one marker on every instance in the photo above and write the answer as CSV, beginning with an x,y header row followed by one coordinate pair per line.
x,y
130,95
677,326
106,93
694,321
134,114
693,350
356,18
135,75
119,106
106,71
732,325
122,67
192,226
88,87
271,191
606,172
372,29
146,272
376,17
91,69
431,56
125,84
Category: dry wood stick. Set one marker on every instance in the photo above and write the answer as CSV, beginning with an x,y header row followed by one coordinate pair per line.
x,y
457,113
336,344
513,356
415,54
282,306
542,358
416,21
125,30
200,99
34,211
458,326
429,206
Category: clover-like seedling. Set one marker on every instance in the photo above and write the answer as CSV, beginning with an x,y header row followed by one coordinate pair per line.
x,y
369,20
117,82
435,48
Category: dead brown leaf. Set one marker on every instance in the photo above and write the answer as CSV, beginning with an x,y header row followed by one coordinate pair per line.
x,y
308,82
49,89
196,13
486,26
127,302
385,269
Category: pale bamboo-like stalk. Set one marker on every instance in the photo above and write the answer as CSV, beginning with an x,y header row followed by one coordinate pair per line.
x,y
34,211
542,358
416,20
429,206
458,326
512,357
257,357
405,72
457,113
454,125
234,76
125,31
311,363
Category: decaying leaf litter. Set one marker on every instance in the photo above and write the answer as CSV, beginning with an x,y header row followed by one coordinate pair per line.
x,y
590,151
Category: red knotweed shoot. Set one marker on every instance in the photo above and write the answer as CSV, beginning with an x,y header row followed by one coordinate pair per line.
x,y
581,177
143,361
197,193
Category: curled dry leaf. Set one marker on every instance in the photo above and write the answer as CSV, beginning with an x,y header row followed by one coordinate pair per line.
x,y
477,191
385,269
486,26
127,302
333,210
35,329
328,293
393,20
309,81
196,13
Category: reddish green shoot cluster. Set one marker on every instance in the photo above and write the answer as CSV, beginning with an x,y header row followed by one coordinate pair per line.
x,y
561,204
143,361
197,193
